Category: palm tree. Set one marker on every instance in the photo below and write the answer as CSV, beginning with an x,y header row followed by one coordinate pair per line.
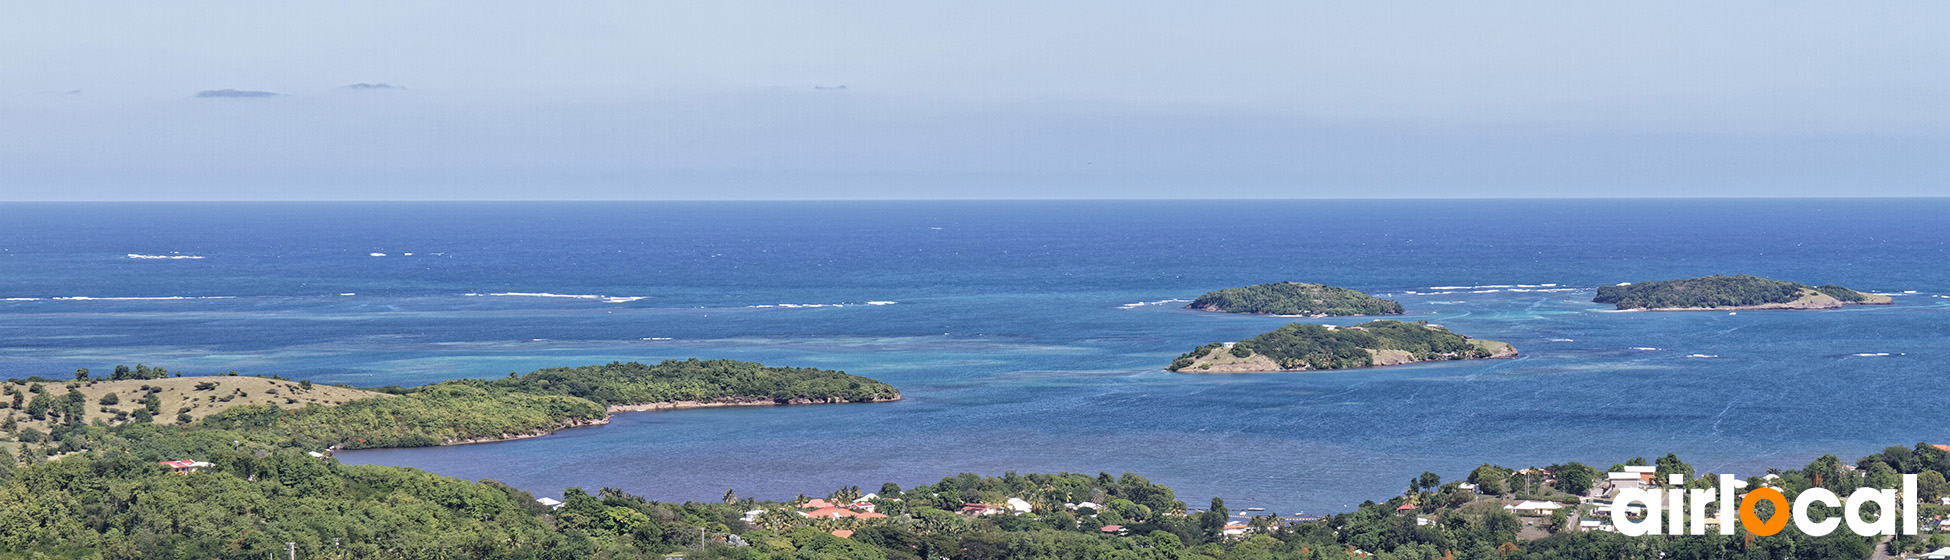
x,y
778,520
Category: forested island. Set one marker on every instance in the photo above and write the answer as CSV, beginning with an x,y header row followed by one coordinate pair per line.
x,y
1297,299
1742,292
1308,347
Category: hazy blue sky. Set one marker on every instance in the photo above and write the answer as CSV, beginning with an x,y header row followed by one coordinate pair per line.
x,y
656,100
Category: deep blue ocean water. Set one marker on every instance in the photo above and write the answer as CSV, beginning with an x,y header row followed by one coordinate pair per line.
x,y
1026,336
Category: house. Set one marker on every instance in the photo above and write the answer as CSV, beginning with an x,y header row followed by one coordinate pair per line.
x,y
552,503
1467,486
1647,473
1938,554
1534,507
1119,529
1080,505
865,503
830,513
1408,509
980,509
869,515
1623,480
843,533
752,516
817,503
183,467
1235,530
1019,505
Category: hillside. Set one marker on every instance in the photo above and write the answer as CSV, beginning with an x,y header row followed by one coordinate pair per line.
x,y
1742,292
1297,299
1307,347
52,417
177,399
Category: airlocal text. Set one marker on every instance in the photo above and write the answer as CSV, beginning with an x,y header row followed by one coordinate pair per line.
x,y
1685,510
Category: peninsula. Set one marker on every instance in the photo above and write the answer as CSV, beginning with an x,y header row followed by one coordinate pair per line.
x,y
1295,299
1723,293
276,412
1308,347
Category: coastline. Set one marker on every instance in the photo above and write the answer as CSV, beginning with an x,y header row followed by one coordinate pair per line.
x,y
1875,299
722,403
653,407
1384,358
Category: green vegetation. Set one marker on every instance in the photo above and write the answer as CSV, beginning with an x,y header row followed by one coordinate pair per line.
x,y
1301,346
432,415
1295,298
116,503
1842,294
1721,292
278,413
696,380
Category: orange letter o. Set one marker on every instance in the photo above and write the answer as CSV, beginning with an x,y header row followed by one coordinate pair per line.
x,y
1752,520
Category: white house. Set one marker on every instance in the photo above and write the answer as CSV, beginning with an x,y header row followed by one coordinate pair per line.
x,y
1623,480
552,503
1018,505
1534,507
1938,554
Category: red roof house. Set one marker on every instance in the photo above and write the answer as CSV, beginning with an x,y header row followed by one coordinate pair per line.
x,y
830,512
183,467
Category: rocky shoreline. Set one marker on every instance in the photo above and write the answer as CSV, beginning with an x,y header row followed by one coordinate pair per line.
x,y
1262,364
721,403
1818,301
652,407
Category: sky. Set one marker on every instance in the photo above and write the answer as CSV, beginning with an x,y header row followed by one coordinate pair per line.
x,y
645,100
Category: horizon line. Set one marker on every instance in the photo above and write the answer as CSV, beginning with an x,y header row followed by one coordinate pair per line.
x,y
1080,199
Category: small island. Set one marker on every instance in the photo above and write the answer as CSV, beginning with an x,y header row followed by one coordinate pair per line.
x,y
1309,347
1295,299
1723,293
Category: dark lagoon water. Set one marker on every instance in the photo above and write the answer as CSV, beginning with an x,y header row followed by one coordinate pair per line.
x,y
1027,336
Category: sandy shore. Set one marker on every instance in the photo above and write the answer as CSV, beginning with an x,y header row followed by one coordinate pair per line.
x,y
1814,301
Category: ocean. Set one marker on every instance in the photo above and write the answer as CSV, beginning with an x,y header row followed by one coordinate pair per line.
x,y
1026,336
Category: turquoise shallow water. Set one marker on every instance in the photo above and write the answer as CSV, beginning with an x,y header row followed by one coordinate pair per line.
x,y
1026,336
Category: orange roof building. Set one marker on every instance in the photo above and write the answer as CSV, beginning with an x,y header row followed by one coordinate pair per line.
x,y
832,512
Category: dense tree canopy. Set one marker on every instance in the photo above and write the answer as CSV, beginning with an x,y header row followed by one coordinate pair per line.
x,y
696,380
1716,291
1295,298
1318,347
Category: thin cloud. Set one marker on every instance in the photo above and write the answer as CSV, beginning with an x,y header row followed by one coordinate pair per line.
x,y
374,86
236,93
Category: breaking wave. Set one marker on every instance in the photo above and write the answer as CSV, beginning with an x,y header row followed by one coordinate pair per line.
x,y
1159,302
164,257
602,298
